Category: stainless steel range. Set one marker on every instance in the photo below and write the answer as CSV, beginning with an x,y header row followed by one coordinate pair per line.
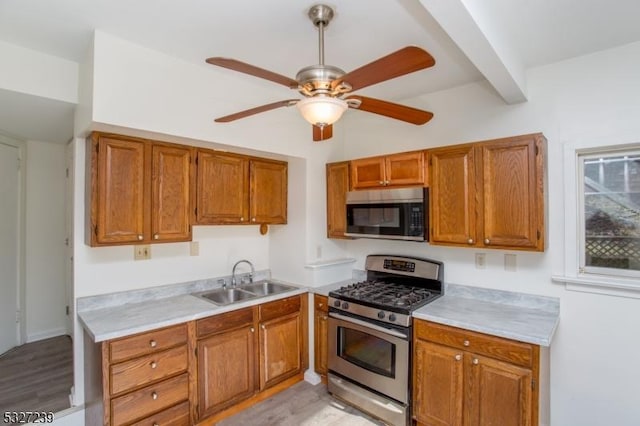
x,y
370,331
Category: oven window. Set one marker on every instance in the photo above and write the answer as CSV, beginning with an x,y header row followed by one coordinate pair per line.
x,y
379,217
367,351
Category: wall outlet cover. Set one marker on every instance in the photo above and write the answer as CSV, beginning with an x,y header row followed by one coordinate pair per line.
x,y
510,263
194,248
481,261
142,252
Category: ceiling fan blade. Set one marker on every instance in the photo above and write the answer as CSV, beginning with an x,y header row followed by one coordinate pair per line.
x,y
232,64
401,62
322,134
388,109
256,110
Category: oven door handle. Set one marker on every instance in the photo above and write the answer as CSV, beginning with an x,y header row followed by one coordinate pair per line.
x,y
368,324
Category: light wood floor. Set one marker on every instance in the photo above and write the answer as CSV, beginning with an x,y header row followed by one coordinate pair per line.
x,y
301,405
37,376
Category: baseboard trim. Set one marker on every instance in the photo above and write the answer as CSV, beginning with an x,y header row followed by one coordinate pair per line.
x,y
34,337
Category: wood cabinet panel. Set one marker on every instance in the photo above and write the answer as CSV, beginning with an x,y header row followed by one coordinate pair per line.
x,y
175,416
280,349
171,193
321,334
405,169
268,192
146,343
499,393
279,308
226,370
452,195
224,322
222,188
367,173
118,188
337,188
437,384
148,400
140,371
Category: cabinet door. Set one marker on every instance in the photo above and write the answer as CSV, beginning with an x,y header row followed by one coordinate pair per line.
x,y
405,169
222,188
337,187
226,366
452,195
513,209
498,393
170,195
268,199
118,211
437,384
321,335
280,349
368,173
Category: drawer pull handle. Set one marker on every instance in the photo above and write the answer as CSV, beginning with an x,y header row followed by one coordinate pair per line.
x,y
465,343
154,395
458,357
153,364
475,361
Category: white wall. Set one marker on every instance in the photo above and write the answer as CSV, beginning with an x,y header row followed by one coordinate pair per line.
x,y
45,234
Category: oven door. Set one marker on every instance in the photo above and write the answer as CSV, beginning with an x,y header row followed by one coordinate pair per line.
x,y
370,355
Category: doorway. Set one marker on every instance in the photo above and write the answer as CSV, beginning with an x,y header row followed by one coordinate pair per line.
x,y
9,245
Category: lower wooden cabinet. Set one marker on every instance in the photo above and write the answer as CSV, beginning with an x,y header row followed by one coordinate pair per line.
x,y
245,352
463,377
321,336
146,376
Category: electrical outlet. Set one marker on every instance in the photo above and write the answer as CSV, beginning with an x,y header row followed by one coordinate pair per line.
x,y
142,252
481,260
510,262
194,248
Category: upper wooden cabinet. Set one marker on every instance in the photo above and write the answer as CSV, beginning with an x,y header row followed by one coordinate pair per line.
x,y
489,194
405,169
337,187
139,191
238,189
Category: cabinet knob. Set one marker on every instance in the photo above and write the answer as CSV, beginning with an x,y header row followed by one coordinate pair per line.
x,y
381,182
263,327
253,330
153,364
470,241
465,343
242,219
458,357
156,424
487,241
475,361
140,237
153,343
253,219
156,236
324,317
386,182
154,395
320,305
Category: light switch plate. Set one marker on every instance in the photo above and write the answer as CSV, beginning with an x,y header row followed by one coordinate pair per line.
x,y
481,260
142,252
194,248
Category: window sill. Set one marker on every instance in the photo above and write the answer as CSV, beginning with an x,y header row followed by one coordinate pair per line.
x,y
620,287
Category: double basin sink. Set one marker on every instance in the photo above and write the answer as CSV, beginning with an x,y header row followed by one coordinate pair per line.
x,y
227,296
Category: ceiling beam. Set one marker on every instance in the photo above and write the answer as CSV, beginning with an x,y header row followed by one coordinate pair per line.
x,y
486,49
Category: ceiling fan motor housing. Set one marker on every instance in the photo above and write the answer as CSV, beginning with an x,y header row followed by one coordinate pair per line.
x,y
317,79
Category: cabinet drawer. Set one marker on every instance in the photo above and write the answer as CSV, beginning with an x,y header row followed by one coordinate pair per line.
x,y
148,400
150,368
146,343
278,308
320,303
223,322
495,347
174,416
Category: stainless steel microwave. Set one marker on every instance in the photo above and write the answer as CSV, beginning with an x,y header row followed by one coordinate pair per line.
x,y
396,214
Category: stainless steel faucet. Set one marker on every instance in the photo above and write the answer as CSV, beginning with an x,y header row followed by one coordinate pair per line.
x,y
233,272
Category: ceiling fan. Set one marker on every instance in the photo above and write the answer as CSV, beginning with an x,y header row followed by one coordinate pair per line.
x,y
326,89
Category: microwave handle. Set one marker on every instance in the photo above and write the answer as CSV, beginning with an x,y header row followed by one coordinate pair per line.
x,y
368,325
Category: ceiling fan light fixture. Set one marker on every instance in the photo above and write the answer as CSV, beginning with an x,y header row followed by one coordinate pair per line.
x,y
322,110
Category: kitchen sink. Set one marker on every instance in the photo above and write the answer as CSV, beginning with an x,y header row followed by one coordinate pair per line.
x,y
265,288
227,296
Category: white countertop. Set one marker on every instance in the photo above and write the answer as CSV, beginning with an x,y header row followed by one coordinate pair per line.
x,y
140,316
527,318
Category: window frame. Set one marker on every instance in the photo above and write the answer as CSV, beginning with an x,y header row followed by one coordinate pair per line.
x,y
583,269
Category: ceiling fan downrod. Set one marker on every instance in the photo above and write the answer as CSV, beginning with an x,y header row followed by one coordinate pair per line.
x,y
320,15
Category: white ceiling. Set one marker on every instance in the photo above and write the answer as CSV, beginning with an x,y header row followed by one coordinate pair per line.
x,y
277,35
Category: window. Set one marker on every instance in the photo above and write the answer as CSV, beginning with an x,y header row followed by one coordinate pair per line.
x,y
609,213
